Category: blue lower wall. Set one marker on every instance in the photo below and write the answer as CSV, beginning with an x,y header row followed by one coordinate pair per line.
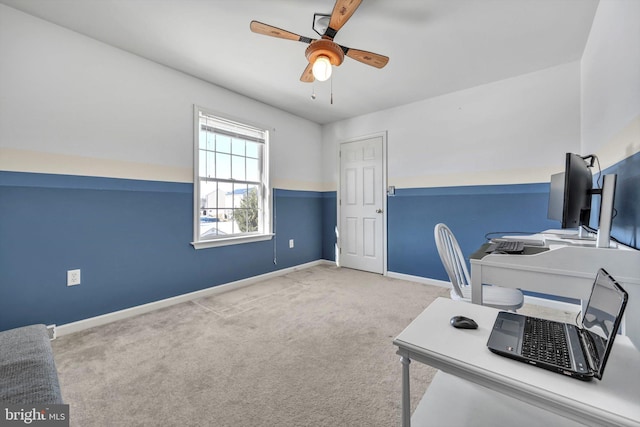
x,y
131,238
329,224
473,211
298,216
131,241
470,212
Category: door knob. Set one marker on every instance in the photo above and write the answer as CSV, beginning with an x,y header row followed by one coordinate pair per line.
x,y
378,210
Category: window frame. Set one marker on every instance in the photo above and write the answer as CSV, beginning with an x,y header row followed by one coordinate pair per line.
x,y
267,219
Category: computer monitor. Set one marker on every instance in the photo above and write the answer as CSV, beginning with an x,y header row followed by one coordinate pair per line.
x,y
570,198
578,183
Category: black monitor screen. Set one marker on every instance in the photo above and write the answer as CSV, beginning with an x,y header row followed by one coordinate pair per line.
x,y
578,182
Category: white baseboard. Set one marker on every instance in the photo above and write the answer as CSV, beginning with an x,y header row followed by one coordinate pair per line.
x,y
544,302
103,319
419,279
91,322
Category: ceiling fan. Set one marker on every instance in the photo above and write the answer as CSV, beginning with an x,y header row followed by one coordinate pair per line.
x,y
324,52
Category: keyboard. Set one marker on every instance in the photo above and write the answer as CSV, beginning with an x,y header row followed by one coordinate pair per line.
x,y
545,341
507,246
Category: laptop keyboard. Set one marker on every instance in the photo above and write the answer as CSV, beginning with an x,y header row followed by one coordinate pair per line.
x,y
546,341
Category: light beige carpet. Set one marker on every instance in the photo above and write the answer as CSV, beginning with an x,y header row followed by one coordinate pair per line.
x,y
310,348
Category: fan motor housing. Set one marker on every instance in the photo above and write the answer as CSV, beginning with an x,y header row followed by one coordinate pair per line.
x,y
327,48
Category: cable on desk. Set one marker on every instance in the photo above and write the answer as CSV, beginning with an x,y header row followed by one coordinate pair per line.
x,y
578,316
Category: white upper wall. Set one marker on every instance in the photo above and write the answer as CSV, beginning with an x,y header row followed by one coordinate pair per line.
x,y
611,82
70,104
511,131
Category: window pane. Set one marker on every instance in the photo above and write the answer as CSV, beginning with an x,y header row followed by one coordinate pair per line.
x,y
223,166
211,141
202,140
209,215
237,199
208,195
237,168
210,170
238,194
253,207
223,144
246,208
209,231
225,200
253,170
237,147
210,226
253,149
202,160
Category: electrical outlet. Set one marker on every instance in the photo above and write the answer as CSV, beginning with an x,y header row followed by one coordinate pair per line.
x,y
73,277
290,243
53,333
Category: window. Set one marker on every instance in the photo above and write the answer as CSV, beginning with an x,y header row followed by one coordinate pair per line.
x,y
231,187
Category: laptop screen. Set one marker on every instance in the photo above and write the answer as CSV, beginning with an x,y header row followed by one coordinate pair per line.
x,y
602,317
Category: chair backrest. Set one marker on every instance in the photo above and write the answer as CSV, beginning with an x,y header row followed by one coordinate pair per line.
x,y
452,258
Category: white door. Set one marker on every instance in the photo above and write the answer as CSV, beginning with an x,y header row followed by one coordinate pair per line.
x,y
362,204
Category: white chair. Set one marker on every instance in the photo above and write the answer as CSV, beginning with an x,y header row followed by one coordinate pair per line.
x,y
456,267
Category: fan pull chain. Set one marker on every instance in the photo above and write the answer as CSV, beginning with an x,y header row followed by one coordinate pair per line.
x,y
332,91
313,92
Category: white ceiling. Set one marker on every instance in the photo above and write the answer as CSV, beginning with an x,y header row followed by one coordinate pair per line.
x,y
435,46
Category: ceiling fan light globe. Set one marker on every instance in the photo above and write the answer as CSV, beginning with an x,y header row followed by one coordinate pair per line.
x,y
322,68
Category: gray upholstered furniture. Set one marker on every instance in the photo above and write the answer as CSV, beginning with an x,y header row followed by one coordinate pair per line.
x,y
27,370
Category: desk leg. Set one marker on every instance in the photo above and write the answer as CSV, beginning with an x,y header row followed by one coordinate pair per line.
x,y
476,284
406,394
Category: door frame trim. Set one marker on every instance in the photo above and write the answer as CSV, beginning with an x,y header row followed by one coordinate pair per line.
x,y
383,195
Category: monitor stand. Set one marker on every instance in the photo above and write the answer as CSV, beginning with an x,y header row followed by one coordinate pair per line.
x,y
582,234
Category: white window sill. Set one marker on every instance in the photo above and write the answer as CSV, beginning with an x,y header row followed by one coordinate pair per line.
x,y
214,243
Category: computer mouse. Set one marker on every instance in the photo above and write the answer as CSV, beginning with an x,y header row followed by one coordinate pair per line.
x,y
462,322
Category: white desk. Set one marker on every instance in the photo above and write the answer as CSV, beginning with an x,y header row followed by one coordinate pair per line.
x,y
506,386
564,270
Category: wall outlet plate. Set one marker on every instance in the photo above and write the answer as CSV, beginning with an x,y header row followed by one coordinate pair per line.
x,y
51,329
291,244
73,277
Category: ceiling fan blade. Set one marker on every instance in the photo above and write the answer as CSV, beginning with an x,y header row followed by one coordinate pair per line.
x,y
307,75
369,58
269,30
342,11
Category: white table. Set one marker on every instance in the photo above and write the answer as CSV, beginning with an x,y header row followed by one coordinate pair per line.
x,y
563,269
483,388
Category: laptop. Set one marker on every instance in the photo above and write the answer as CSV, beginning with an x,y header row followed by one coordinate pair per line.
x,y
577,351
